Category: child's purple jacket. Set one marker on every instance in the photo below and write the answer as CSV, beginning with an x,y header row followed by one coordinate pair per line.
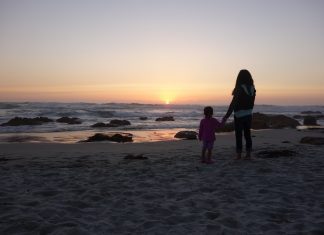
x,y
207,129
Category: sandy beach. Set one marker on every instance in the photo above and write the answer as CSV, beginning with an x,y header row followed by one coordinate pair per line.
x,y
89,188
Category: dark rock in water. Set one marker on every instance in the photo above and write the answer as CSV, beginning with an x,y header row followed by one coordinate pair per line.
x,y
18,121
312,140
260,121
228,127
298,116
165,119
311,112
105,114
69,120
115,138
188,135
99,124
135,157
282,121
263,121
117,122
112,123
43,119
317,116
276,153
143,118
259,124
310,121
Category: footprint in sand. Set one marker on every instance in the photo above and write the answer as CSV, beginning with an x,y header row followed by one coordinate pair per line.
x,y
212,215
46,193
230,222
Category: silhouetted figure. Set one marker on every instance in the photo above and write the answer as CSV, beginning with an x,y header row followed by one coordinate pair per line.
x,y
207,129
242,104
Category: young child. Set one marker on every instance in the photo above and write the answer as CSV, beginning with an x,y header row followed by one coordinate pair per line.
x,y
207,129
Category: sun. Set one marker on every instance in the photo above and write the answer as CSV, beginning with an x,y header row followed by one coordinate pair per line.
x,y
167,96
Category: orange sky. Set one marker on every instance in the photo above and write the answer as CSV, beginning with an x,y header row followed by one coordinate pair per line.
x,y
159,51
155,94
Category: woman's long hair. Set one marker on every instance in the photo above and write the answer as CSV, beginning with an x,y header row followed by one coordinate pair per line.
x,y
244,77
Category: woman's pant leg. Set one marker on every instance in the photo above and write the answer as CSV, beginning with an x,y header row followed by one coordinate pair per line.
x,y
238,134
247,132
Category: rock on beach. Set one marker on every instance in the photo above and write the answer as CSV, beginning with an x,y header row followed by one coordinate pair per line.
x,y
165,119
310,121
119,138
19,121
265,121
188,135
69,120
112,123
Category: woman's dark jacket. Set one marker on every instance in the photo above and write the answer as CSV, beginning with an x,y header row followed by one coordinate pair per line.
x,y
243,101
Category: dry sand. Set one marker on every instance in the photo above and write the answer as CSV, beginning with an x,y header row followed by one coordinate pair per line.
x,y
90,188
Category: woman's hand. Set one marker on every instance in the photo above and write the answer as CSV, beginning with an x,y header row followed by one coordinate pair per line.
x,y
224,119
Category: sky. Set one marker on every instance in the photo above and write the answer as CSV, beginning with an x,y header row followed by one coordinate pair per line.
x,y
161,51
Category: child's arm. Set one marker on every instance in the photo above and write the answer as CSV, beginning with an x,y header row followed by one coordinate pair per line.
x,y
200,130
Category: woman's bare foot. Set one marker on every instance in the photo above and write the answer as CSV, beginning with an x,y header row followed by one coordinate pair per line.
x,y
248,156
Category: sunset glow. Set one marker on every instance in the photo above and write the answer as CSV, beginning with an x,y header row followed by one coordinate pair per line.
x,y
161,51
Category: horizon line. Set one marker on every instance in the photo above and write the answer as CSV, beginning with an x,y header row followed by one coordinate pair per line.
x,y
137,103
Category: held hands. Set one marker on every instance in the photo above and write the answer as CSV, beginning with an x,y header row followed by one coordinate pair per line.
x,y
224,119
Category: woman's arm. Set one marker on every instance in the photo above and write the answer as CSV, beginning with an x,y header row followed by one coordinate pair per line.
x,y
232,105
230,109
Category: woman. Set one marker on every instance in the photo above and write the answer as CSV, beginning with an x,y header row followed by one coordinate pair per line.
x,y
242,105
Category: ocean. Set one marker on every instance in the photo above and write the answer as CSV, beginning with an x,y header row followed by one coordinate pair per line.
x,y
186,117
